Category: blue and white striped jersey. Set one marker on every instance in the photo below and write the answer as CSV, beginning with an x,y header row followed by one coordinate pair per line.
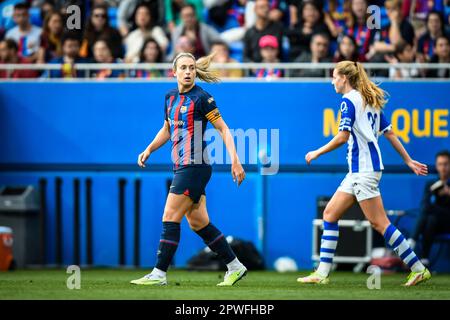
x,y
364,123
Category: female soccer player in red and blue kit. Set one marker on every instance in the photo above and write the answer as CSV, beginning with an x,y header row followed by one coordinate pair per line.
x,y
187,110
362,120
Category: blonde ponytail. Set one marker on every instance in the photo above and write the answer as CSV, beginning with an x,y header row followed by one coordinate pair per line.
x,y
372,94
203,71
201,66
359,80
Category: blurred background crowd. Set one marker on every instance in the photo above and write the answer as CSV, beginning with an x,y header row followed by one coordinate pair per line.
x,y
267,31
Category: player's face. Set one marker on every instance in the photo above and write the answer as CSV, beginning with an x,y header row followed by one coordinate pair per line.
x,y
443,166
185,72
338,82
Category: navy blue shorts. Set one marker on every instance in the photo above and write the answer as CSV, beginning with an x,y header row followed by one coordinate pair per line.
x,y
191,181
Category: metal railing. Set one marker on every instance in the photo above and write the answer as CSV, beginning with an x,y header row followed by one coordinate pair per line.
x,y
289,69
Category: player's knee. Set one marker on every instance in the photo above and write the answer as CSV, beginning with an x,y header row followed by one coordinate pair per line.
x,y
379,225
196,224
170,215
329,216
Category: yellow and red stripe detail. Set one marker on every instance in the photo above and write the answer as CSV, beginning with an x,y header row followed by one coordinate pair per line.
x,y
213,115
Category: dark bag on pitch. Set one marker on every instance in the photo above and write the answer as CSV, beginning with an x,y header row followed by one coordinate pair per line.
x,y
244,250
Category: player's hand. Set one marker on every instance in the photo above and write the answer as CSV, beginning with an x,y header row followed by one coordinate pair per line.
x,y
143,157
238,173
310,156
418,168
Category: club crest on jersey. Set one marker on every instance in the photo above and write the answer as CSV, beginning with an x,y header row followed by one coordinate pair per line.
x,y
183,109
344,107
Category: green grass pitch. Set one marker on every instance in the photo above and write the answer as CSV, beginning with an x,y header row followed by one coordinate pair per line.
x,y
114,284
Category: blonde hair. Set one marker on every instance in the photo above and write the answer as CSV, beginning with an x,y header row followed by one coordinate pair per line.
x,y
357,77
201,67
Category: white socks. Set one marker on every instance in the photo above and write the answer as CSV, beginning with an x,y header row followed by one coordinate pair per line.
x,y
234,265
156,273
412,243
328,246
324,269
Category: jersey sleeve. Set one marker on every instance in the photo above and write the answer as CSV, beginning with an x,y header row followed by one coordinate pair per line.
x,y
385,125
347,115
209,108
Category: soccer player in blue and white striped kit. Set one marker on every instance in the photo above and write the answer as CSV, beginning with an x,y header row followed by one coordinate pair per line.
x,y
362,120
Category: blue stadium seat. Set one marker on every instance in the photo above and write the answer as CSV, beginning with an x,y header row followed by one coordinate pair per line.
x,y
384,17
112,15
237,50
35,16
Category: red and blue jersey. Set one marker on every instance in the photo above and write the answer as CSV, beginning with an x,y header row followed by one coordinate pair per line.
x,y
363,36
188,114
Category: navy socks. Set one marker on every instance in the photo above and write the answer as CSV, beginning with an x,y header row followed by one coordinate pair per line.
x,y
168,244
216,241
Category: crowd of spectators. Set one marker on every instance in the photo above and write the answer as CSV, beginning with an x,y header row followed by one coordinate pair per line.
x,y
262,31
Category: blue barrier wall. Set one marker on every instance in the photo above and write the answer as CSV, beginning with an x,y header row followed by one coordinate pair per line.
x,y
63,123
113,122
